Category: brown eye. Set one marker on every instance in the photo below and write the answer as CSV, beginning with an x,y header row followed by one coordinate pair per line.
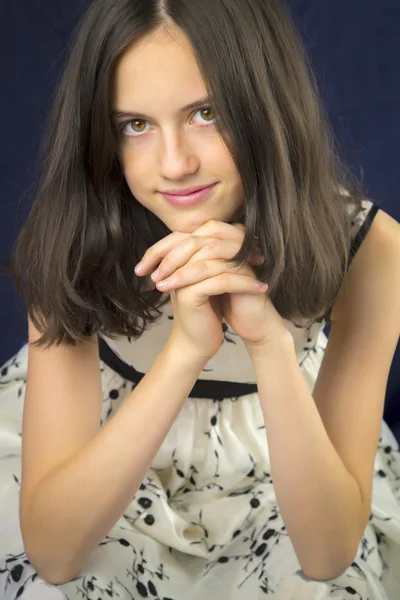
x,y
134,126
207,112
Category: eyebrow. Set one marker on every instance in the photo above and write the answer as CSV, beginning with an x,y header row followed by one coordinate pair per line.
x,y
119,114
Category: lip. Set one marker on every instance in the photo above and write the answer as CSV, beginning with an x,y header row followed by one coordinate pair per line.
x,y
186,191
187,197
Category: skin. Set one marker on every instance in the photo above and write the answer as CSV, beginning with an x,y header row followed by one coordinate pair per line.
x,y
157,76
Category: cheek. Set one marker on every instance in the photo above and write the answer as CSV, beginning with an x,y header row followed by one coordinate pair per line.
x,y
223,158
133,168
137,175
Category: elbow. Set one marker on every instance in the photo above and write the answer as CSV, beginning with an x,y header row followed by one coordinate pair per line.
x,y
56,578
331,571
50,567
55,566
52,574
334,564
326,575
53,577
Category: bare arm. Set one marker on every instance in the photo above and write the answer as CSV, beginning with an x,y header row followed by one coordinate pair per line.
x,y
76,505
319,500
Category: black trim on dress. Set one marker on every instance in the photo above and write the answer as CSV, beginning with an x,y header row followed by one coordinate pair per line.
x,y
206,388
357,241
203,388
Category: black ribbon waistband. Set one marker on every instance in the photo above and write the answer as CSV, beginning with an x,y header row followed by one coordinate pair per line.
x,y
201,389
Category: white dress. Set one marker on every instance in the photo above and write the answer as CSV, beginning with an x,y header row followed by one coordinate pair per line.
x,y
205,522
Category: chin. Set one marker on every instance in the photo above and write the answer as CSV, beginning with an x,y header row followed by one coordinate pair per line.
x,y
186,223
185,227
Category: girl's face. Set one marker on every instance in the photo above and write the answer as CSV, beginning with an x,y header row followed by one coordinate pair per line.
x,y
164,147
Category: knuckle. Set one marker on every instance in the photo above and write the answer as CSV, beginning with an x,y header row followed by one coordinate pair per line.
x,y
167,263
215,245
212,226
202,268
147,256
224,277
194,242
198,270
179,235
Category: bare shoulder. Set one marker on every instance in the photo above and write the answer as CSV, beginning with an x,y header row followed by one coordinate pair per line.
x,y
386,227
372,283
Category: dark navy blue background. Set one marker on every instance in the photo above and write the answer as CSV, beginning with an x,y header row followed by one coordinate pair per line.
x,y
355,49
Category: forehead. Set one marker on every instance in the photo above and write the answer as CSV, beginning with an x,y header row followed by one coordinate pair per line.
x,y
157,73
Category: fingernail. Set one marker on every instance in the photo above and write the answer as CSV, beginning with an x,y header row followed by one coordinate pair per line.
x,y
164,283
139,268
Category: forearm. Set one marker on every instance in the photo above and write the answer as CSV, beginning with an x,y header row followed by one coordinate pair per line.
x,y
77,505
319,500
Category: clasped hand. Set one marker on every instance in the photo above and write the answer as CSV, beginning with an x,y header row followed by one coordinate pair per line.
x,y
185,259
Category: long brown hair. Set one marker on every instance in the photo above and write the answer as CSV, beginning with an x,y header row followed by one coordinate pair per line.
x,y
74,257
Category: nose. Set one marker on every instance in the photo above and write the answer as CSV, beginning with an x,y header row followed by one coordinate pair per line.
x,y
178,157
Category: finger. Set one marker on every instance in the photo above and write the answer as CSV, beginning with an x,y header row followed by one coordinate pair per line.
x,y
216,229
220,229
235,231
197,249
195,272
180,255
212,229
224,283
156,253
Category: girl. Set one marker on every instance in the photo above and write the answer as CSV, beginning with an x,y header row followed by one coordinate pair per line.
x,y
188,433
